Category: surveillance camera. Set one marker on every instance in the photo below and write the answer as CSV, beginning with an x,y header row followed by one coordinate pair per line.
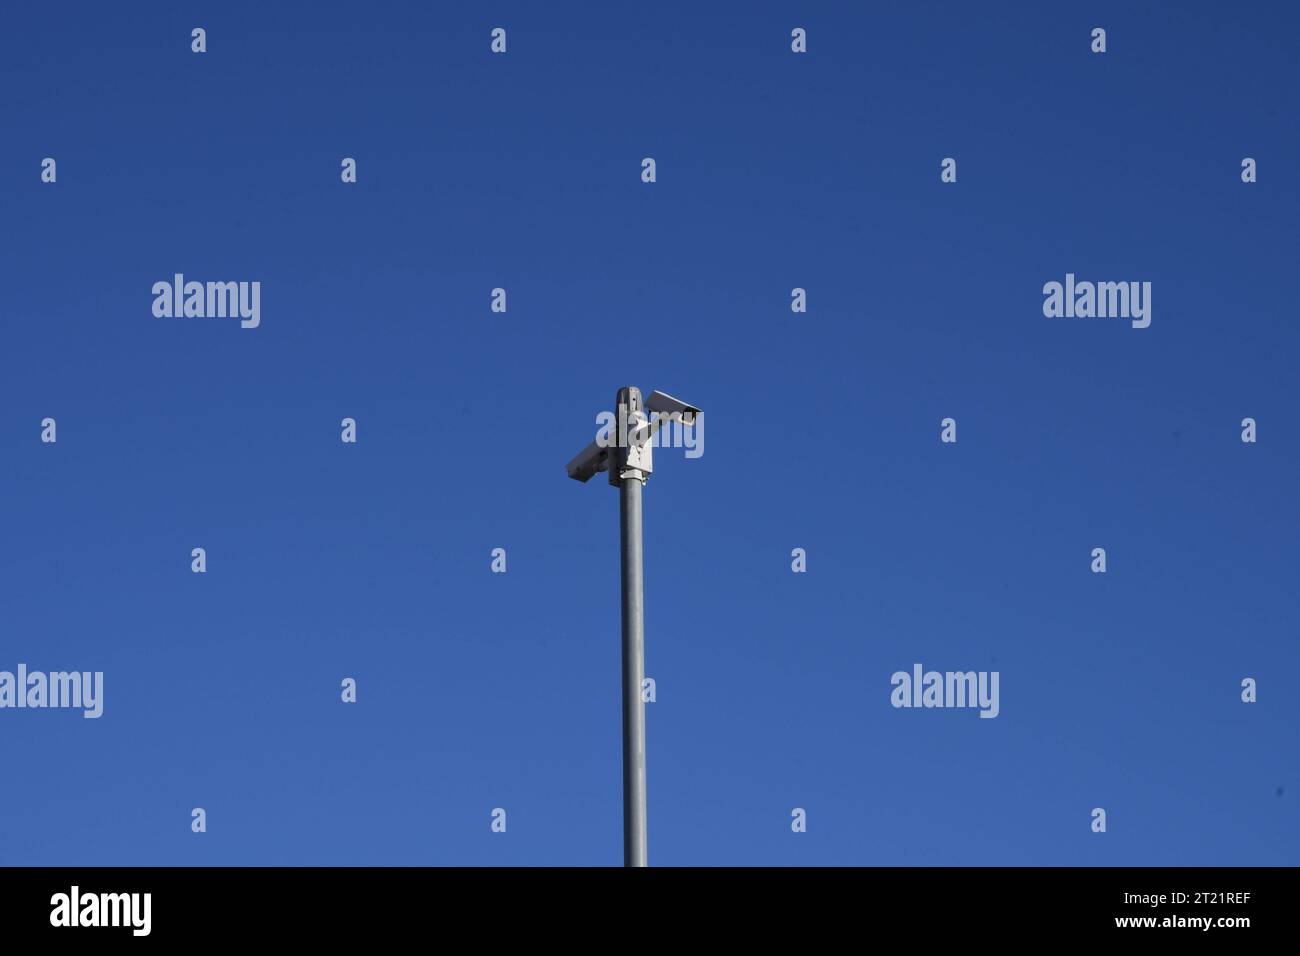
x,y
589,462
667,405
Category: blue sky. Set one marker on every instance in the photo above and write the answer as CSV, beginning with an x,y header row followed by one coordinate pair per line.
x,y
774,171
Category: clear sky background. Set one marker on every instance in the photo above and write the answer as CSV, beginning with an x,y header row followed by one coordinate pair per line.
x,y
775,170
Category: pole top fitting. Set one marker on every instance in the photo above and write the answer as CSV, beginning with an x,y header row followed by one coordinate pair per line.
x,y
630,457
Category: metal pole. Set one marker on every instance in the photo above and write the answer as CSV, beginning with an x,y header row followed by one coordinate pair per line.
x,y
634,788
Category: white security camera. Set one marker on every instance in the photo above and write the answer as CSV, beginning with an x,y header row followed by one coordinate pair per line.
x,y
589,462
666,405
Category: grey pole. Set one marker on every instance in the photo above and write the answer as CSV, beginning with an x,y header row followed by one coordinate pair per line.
x,y
634,785
629,462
